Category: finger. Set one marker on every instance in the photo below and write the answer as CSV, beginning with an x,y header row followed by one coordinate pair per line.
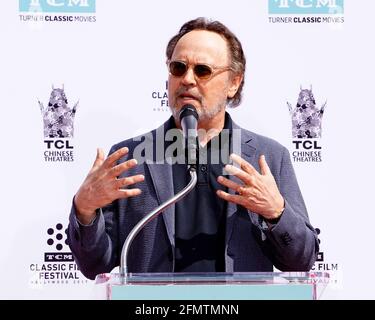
x,y
247,192
99,158
229,183
240,174
247,167
126,193
112,158
232,197
124,166
264,168
124,182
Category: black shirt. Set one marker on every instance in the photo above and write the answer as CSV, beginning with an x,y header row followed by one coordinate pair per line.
x,y
200,217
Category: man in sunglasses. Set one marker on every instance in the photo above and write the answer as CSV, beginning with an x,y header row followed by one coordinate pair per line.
x,y
251,220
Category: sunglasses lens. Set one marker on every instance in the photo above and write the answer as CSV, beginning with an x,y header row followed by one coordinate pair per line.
x,y
202,71
177,68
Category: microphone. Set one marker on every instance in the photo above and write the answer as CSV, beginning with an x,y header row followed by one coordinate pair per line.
x,y
189,122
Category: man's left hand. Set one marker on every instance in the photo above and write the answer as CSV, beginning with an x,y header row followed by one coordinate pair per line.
x,y
258,193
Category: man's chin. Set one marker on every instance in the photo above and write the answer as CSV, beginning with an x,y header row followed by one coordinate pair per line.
x,y
176,110
193,102
204,115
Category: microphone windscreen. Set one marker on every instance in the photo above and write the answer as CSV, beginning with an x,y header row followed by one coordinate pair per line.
x,y
188,110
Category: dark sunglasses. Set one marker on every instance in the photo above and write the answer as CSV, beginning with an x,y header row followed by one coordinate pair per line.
x,y
201,71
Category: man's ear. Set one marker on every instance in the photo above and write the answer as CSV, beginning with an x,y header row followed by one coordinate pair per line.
x,y
235,83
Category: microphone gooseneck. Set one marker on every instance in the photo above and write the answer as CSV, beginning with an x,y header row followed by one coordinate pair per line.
x,y
189,122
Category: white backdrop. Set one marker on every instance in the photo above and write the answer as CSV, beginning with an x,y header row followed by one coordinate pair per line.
x,y
114,64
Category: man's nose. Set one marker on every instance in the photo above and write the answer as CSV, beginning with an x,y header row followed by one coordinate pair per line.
x,y
188,78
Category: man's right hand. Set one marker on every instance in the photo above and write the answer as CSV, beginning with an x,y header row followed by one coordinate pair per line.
x,y
102,186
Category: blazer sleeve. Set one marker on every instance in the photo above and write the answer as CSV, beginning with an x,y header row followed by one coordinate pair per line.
x,y
94,247
292,240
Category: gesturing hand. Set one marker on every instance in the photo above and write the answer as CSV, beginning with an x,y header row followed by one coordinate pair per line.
x,y
102,186
258,193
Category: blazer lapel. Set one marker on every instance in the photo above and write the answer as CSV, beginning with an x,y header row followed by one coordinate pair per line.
x,y
162,178
164,191
247,151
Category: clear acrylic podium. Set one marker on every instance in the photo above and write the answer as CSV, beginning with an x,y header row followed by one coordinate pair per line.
x,y
212,286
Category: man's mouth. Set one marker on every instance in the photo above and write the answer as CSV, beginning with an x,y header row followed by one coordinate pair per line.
x,y
188,96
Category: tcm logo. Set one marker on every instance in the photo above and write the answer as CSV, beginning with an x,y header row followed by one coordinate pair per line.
x,y
57,239
305,6
58,257
68,6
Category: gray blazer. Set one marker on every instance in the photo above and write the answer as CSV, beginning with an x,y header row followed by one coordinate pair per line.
x,y
250,245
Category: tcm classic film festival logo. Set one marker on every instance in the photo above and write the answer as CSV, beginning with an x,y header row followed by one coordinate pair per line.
x,y
60,11
307,119
306,11
160,99
57,267
323,265
58,126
